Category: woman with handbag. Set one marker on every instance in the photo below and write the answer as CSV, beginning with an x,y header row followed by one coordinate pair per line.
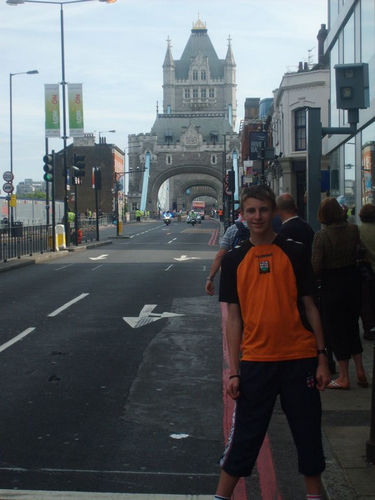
x,y
334,259
367,269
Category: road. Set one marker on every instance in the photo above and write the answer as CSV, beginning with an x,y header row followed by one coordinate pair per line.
x,y
111,365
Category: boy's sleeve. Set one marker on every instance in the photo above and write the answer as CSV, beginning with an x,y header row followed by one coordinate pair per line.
x,y
228,280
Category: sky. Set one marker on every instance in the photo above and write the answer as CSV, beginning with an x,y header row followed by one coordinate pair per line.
x,y
117,50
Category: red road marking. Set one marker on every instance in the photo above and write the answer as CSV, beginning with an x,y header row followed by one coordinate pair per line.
x,y
213,238
265,467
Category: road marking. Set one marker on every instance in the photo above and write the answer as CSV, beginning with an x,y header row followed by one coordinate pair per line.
x,y
63,267
146,316
168,268
68,304
100,257
97,267
174,239
76,495
183,258
15,339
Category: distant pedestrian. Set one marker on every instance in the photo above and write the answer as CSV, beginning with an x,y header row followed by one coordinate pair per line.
x,y
138,214
293,226
334,258
236,234
265,281
367,268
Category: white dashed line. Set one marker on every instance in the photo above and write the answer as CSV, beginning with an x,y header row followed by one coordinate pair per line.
x,y
68,304
16,338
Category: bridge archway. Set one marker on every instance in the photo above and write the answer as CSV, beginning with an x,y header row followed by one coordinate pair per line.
x,y
157,180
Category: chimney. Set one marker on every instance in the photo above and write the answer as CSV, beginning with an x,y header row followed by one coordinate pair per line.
x,y
305,67
322,35
300,67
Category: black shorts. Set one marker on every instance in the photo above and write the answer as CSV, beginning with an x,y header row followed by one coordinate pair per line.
x,y
260,384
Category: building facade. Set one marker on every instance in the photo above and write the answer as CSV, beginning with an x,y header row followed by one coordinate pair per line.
x,y
351,39
192,141
111,161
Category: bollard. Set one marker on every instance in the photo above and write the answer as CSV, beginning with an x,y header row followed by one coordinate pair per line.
x,y
60,237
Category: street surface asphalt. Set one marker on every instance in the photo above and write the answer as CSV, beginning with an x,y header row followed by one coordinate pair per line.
x,y
111,367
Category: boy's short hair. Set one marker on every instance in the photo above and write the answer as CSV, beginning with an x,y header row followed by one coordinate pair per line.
x,y
259,192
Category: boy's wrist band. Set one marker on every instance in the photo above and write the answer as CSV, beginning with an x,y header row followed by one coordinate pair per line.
x,y
234,376
209,278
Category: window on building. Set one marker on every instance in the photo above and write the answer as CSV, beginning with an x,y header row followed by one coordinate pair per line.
x,y
134,205
195,92
203,75
187,93
203,93
169,159
300,129
213,137
195,74
168,137
211,93
213,159
368,164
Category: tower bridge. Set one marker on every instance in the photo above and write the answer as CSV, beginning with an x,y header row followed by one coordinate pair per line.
x,y
191,143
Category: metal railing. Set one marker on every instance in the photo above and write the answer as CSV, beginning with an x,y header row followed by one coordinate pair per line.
x,y
18,241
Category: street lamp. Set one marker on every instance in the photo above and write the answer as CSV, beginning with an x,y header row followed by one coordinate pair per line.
x,y
105,132
11,75
63,85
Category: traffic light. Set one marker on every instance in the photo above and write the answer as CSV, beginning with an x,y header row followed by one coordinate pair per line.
x,y
98,178
48,167
78,165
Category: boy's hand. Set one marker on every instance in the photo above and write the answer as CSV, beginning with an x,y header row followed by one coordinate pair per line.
x,y
323,375
233,388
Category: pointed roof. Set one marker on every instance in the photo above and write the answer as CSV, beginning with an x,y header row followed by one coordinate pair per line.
x,y
168,60
229,59
199,43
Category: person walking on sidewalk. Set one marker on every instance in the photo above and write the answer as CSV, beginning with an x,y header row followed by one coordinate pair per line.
x,y
334,258
265,282
236,234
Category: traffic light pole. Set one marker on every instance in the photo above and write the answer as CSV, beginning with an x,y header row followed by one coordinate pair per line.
x,y
47,191
76,211
53,204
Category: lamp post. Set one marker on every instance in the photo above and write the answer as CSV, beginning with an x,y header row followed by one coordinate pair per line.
x,y
63,85
11,75
105,132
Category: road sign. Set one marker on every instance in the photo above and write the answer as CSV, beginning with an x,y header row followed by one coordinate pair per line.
x,y
8,187
8,176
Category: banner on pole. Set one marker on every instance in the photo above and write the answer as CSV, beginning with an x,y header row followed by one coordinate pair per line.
x,y
52,110
75,110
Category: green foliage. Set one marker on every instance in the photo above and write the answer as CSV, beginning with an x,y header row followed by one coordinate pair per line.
x,y
37,195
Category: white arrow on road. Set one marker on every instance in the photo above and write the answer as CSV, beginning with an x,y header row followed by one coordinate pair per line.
x,y
146,316
100,257
185,257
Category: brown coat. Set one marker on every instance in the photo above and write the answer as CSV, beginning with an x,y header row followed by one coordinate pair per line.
x,y
335,246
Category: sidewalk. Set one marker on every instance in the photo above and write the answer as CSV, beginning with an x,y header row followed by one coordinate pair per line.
x,y
346,429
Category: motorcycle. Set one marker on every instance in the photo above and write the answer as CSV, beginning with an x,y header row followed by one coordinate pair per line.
x,y
167,220
191,220
199,218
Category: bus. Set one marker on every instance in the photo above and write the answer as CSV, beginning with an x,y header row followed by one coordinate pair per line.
x,y
199,207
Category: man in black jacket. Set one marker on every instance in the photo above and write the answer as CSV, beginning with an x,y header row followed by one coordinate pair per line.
x,y
293,226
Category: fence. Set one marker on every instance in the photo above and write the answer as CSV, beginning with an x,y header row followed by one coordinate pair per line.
x,y
19,240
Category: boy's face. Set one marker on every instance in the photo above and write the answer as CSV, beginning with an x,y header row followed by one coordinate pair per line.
x,y
258,215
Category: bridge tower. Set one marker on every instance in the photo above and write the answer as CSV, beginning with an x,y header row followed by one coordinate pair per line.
x,y
192,141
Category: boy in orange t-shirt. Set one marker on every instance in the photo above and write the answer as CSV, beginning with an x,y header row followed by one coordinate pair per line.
x,y
272,320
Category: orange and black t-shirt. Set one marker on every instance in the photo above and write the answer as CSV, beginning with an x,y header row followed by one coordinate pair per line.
x,y
268,281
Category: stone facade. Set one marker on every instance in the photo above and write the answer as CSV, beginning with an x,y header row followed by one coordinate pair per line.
x,y
192,141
